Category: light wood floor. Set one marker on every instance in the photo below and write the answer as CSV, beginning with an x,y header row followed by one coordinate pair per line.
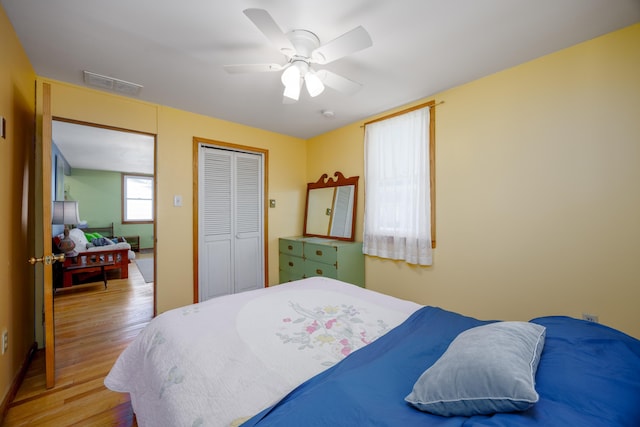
x,y
92,327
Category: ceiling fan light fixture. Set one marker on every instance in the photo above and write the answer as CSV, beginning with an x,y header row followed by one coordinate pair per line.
x,y
292,91
291,76
303,48
314,85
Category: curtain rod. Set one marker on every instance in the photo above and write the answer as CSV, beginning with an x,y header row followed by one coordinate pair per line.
x,y
407,110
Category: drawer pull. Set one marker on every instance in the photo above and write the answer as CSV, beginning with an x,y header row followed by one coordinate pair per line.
x,y
290,247
319,272
290,264
319,252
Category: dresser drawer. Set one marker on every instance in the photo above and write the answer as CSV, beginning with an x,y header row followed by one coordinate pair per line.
x,y
292,264
290,276
291,247
321,253
314,268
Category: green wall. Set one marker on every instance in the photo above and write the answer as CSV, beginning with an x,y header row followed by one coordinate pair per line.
x,y
99,196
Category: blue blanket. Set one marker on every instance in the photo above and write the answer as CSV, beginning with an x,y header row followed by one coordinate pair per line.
x,y
589,375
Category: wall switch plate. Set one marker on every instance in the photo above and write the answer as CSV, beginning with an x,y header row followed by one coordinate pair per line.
x,y
177,200
272,203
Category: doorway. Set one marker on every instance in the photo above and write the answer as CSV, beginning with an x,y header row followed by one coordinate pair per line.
x,y
89,162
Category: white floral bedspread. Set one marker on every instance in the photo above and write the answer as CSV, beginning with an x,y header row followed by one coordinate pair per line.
x,y
210,363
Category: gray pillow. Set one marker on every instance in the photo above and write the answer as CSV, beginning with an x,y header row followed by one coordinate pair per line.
x,y
486,369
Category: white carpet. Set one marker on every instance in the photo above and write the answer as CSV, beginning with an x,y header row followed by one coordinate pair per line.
x,y
145,265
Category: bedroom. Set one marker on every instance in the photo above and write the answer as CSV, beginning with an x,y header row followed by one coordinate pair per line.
x,y
92,168
94,163
537,193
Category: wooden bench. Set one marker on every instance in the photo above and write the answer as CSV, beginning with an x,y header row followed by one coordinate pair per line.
x,y
89,263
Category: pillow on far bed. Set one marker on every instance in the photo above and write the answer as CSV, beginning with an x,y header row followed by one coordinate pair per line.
x,y
486,369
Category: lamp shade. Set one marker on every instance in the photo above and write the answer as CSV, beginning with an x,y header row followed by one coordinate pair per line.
x,y
314,84
291,76
65,213
292,91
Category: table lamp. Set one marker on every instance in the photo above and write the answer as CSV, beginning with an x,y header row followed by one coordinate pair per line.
x,y
66,213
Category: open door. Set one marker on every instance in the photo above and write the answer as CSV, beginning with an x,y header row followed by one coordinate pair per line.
x,y
50,366
47,257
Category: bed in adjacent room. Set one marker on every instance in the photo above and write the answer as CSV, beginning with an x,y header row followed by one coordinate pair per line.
x,y
95,251
323,352
105,239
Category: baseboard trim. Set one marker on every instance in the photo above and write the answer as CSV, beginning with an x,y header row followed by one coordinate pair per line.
x,y
17,382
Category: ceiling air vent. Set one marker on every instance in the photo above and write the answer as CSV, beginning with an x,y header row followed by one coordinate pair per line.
x,y
110,83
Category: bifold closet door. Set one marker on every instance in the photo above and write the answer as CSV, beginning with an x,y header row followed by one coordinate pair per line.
x,y
230,214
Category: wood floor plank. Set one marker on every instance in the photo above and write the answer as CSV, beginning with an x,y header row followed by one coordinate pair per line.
x,y
93,326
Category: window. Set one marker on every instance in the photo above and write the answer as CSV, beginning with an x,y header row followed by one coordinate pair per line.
x,y
399,186
137,198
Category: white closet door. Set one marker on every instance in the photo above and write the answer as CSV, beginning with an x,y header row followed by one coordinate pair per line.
x,y
231,254
248,222
215,224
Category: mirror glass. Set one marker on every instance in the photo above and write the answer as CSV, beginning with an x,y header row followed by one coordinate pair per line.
x,y
331,207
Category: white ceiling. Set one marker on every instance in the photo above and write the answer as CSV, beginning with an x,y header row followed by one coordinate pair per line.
x,y
176,50
97,148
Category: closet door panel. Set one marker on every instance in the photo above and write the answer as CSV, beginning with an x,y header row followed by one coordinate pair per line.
x,y
216,225
248,265
248,225
218,269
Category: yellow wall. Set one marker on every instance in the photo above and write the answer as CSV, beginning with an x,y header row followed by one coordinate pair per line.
x,y
285,180
17,106
175,131
538,197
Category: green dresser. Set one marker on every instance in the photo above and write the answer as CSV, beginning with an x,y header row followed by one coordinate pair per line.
x,y
302,257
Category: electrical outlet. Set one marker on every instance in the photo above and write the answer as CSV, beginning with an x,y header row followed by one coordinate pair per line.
x,y
5,341
590,317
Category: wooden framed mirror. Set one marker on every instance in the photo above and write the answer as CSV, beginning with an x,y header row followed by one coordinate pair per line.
x,y
331,207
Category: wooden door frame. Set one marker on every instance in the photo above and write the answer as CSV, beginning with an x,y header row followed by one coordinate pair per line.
x,y
155,180
197,141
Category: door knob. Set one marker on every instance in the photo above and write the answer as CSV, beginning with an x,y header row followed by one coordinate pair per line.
x,y
33,260
49,259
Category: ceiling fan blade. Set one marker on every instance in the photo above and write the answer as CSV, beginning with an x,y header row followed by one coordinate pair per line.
x,y
252,68
337,82
265,23
348,43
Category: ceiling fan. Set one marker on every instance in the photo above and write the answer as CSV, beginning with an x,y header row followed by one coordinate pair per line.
x,y
302,48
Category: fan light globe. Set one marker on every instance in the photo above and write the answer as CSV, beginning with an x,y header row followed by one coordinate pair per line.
x,y
313,83
291,76
292,91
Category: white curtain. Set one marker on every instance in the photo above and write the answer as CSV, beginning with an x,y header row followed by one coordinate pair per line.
x,y
397,213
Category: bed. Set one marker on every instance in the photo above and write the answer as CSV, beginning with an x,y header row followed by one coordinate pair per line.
x,y
322,352
107,231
